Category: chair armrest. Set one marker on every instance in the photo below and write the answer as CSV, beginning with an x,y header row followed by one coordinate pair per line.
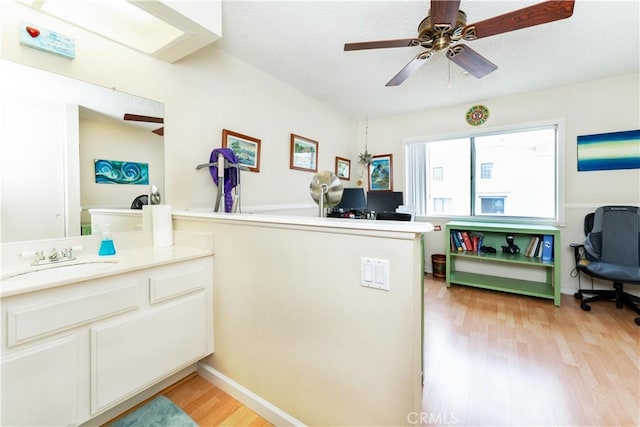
x,y
576,251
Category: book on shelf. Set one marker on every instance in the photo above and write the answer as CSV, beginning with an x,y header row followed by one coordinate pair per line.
x,y
461,239
547,247
527,251
457,247
476,239
535,251
467,240
533,246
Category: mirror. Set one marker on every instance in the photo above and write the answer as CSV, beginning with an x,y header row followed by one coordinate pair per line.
x,y
54,128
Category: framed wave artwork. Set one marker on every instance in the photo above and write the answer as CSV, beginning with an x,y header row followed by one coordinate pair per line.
x,y
121,172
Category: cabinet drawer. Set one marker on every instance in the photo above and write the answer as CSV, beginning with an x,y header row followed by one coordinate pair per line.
x,y
26,324
189,278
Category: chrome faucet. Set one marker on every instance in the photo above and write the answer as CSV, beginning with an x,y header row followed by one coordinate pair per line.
x,y
39,257
54,256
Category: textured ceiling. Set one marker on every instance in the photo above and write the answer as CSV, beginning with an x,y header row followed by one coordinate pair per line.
x,y
301,43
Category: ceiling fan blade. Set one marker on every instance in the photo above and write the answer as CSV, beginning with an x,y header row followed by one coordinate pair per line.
x,y
381,44
159,131
139,118
444,12
537,14
410,68
470,60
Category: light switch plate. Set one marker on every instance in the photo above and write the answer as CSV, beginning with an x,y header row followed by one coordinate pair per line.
x,y
374,273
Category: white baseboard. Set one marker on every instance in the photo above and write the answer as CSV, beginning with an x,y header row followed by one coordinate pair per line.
x,y
248,398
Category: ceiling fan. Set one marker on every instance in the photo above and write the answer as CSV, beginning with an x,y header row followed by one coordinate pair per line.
x,y
446,25
146,119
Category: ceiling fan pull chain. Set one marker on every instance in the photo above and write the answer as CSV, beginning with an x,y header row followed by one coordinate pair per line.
x,y
449,77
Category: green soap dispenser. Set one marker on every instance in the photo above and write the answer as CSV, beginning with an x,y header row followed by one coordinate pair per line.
x,y
106,245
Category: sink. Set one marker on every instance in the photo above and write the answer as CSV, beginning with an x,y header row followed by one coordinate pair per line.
x,y
62,270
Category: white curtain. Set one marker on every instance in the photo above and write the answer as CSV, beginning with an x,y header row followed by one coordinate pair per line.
x,y
416,185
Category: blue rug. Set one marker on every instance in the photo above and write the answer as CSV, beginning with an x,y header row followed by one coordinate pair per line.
x,y
159,412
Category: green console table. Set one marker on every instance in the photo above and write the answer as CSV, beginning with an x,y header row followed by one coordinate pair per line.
x,y
494,235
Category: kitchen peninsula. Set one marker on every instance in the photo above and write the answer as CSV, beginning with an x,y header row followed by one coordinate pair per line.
x,y
294,326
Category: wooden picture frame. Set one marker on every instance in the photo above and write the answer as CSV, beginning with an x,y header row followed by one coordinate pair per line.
x,y
381,173
303,154
246,149
343,168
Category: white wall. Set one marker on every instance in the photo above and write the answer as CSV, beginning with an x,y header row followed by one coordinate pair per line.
x,y
203,94
585,108
231,95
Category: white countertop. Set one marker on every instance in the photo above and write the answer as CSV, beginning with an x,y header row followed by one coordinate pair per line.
x,y
91,267
336,223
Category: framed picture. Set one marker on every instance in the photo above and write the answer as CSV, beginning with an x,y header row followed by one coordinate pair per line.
x,y
609,151
303,154
121,172
343,168
246,149
381,173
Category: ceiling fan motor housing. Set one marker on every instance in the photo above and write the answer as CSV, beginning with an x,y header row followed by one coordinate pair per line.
x,y
440,36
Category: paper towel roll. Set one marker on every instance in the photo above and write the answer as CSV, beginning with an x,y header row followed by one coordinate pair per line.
x,y
162,226
147,222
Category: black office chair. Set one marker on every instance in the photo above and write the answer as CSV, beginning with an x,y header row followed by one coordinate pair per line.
x,y
140,201
611,251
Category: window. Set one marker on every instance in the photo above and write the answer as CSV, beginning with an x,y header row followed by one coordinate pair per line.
x,y
437,174
492,205
441,205
485,170
516,173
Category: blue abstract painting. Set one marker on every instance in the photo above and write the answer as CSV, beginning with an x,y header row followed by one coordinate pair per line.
x,y
607,151
119,172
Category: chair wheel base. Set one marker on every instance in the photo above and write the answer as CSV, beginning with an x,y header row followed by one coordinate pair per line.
x,y
585,307
577,295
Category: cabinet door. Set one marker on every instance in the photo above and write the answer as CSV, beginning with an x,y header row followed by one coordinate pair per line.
x,y
38,385
134,352
31,168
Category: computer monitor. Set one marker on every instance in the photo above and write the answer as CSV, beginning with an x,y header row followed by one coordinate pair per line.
x,y
384,201
352,200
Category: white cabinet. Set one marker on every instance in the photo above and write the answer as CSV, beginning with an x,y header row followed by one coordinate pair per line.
x,y
75,351
38,385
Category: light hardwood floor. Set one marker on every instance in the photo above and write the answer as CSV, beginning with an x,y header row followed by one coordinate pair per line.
x,y
495,359
206,404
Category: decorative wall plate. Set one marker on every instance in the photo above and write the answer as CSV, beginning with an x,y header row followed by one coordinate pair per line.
x,y
477,115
